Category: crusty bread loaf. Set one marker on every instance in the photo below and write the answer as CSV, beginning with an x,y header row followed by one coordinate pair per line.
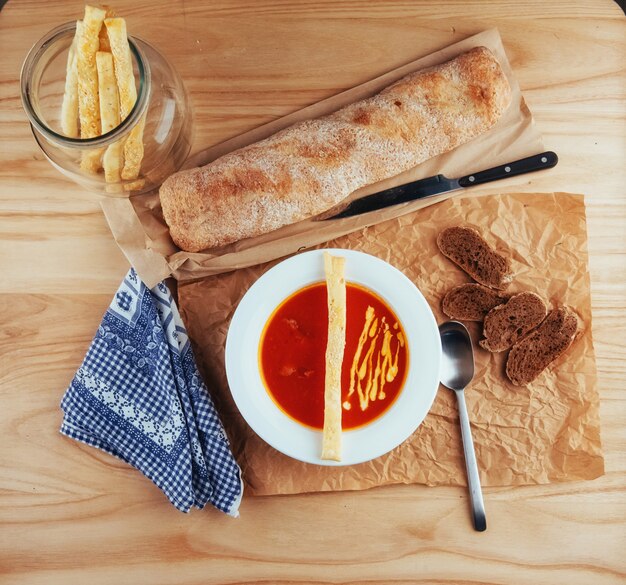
x,y
471,302
311,166
468,250
537,351
508,323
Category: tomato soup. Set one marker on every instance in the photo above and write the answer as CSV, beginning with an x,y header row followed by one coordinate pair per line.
x,y
292,356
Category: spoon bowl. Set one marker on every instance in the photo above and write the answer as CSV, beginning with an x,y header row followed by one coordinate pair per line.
x,y
457,371
457,365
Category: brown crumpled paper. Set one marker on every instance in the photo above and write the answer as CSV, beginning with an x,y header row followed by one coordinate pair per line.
x,y
547,432
140,231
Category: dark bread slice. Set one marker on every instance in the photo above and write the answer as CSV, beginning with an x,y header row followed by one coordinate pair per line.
x,y
535,353
471,302
507,324
466,248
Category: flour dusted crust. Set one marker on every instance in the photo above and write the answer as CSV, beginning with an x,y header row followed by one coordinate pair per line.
x,y
311,166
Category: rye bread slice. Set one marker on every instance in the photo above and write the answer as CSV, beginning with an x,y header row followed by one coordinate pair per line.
x,y
471,302
507,324
466,248
535,353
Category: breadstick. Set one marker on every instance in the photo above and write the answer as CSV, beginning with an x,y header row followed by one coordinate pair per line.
x,y
336,286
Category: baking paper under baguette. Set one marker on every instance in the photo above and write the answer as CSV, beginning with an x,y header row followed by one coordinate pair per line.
x,y
311,166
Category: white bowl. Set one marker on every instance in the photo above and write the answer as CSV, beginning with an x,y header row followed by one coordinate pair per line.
x,y
286,435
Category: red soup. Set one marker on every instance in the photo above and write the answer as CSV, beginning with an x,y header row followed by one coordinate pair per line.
x,y
292,356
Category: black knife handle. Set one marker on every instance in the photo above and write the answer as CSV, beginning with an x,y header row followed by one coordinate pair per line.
x,y
537,162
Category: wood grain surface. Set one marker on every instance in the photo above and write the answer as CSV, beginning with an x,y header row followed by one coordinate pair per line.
x,y
72,515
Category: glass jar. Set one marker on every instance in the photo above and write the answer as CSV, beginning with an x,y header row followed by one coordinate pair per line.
x,y
161,104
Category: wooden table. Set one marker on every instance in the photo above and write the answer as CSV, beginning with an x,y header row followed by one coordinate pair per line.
x,y
70,514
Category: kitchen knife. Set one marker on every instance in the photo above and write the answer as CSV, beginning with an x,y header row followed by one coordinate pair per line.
x,y
440,184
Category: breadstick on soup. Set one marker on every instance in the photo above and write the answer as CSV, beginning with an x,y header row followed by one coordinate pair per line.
x,y
334,267
133,147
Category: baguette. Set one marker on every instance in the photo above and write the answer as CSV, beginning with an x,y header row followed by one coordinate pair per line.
x,y
311,166
537,351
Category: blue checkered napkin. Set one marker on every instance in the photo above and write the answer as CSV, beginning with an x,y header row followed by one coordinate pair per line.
x,y
138,395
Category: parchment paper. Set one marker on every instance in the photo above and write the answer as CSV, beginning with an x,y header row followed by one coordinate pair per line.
x,y
547,432
138,227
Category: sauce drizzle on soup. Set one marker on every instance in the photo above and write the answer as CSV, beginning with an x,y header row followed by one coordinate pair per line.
x,y
292,356
370,381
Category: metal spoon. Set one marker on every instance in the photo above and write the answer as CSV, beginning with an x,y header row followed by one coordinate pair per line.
x,y
457,371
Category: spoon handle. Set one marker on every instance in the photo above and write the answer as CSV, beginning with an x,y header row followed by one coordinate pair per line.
x,y
473,479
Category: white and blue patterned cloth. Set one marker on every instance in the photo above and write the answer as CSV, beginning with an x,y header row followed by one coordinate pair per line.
x,y
138,395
